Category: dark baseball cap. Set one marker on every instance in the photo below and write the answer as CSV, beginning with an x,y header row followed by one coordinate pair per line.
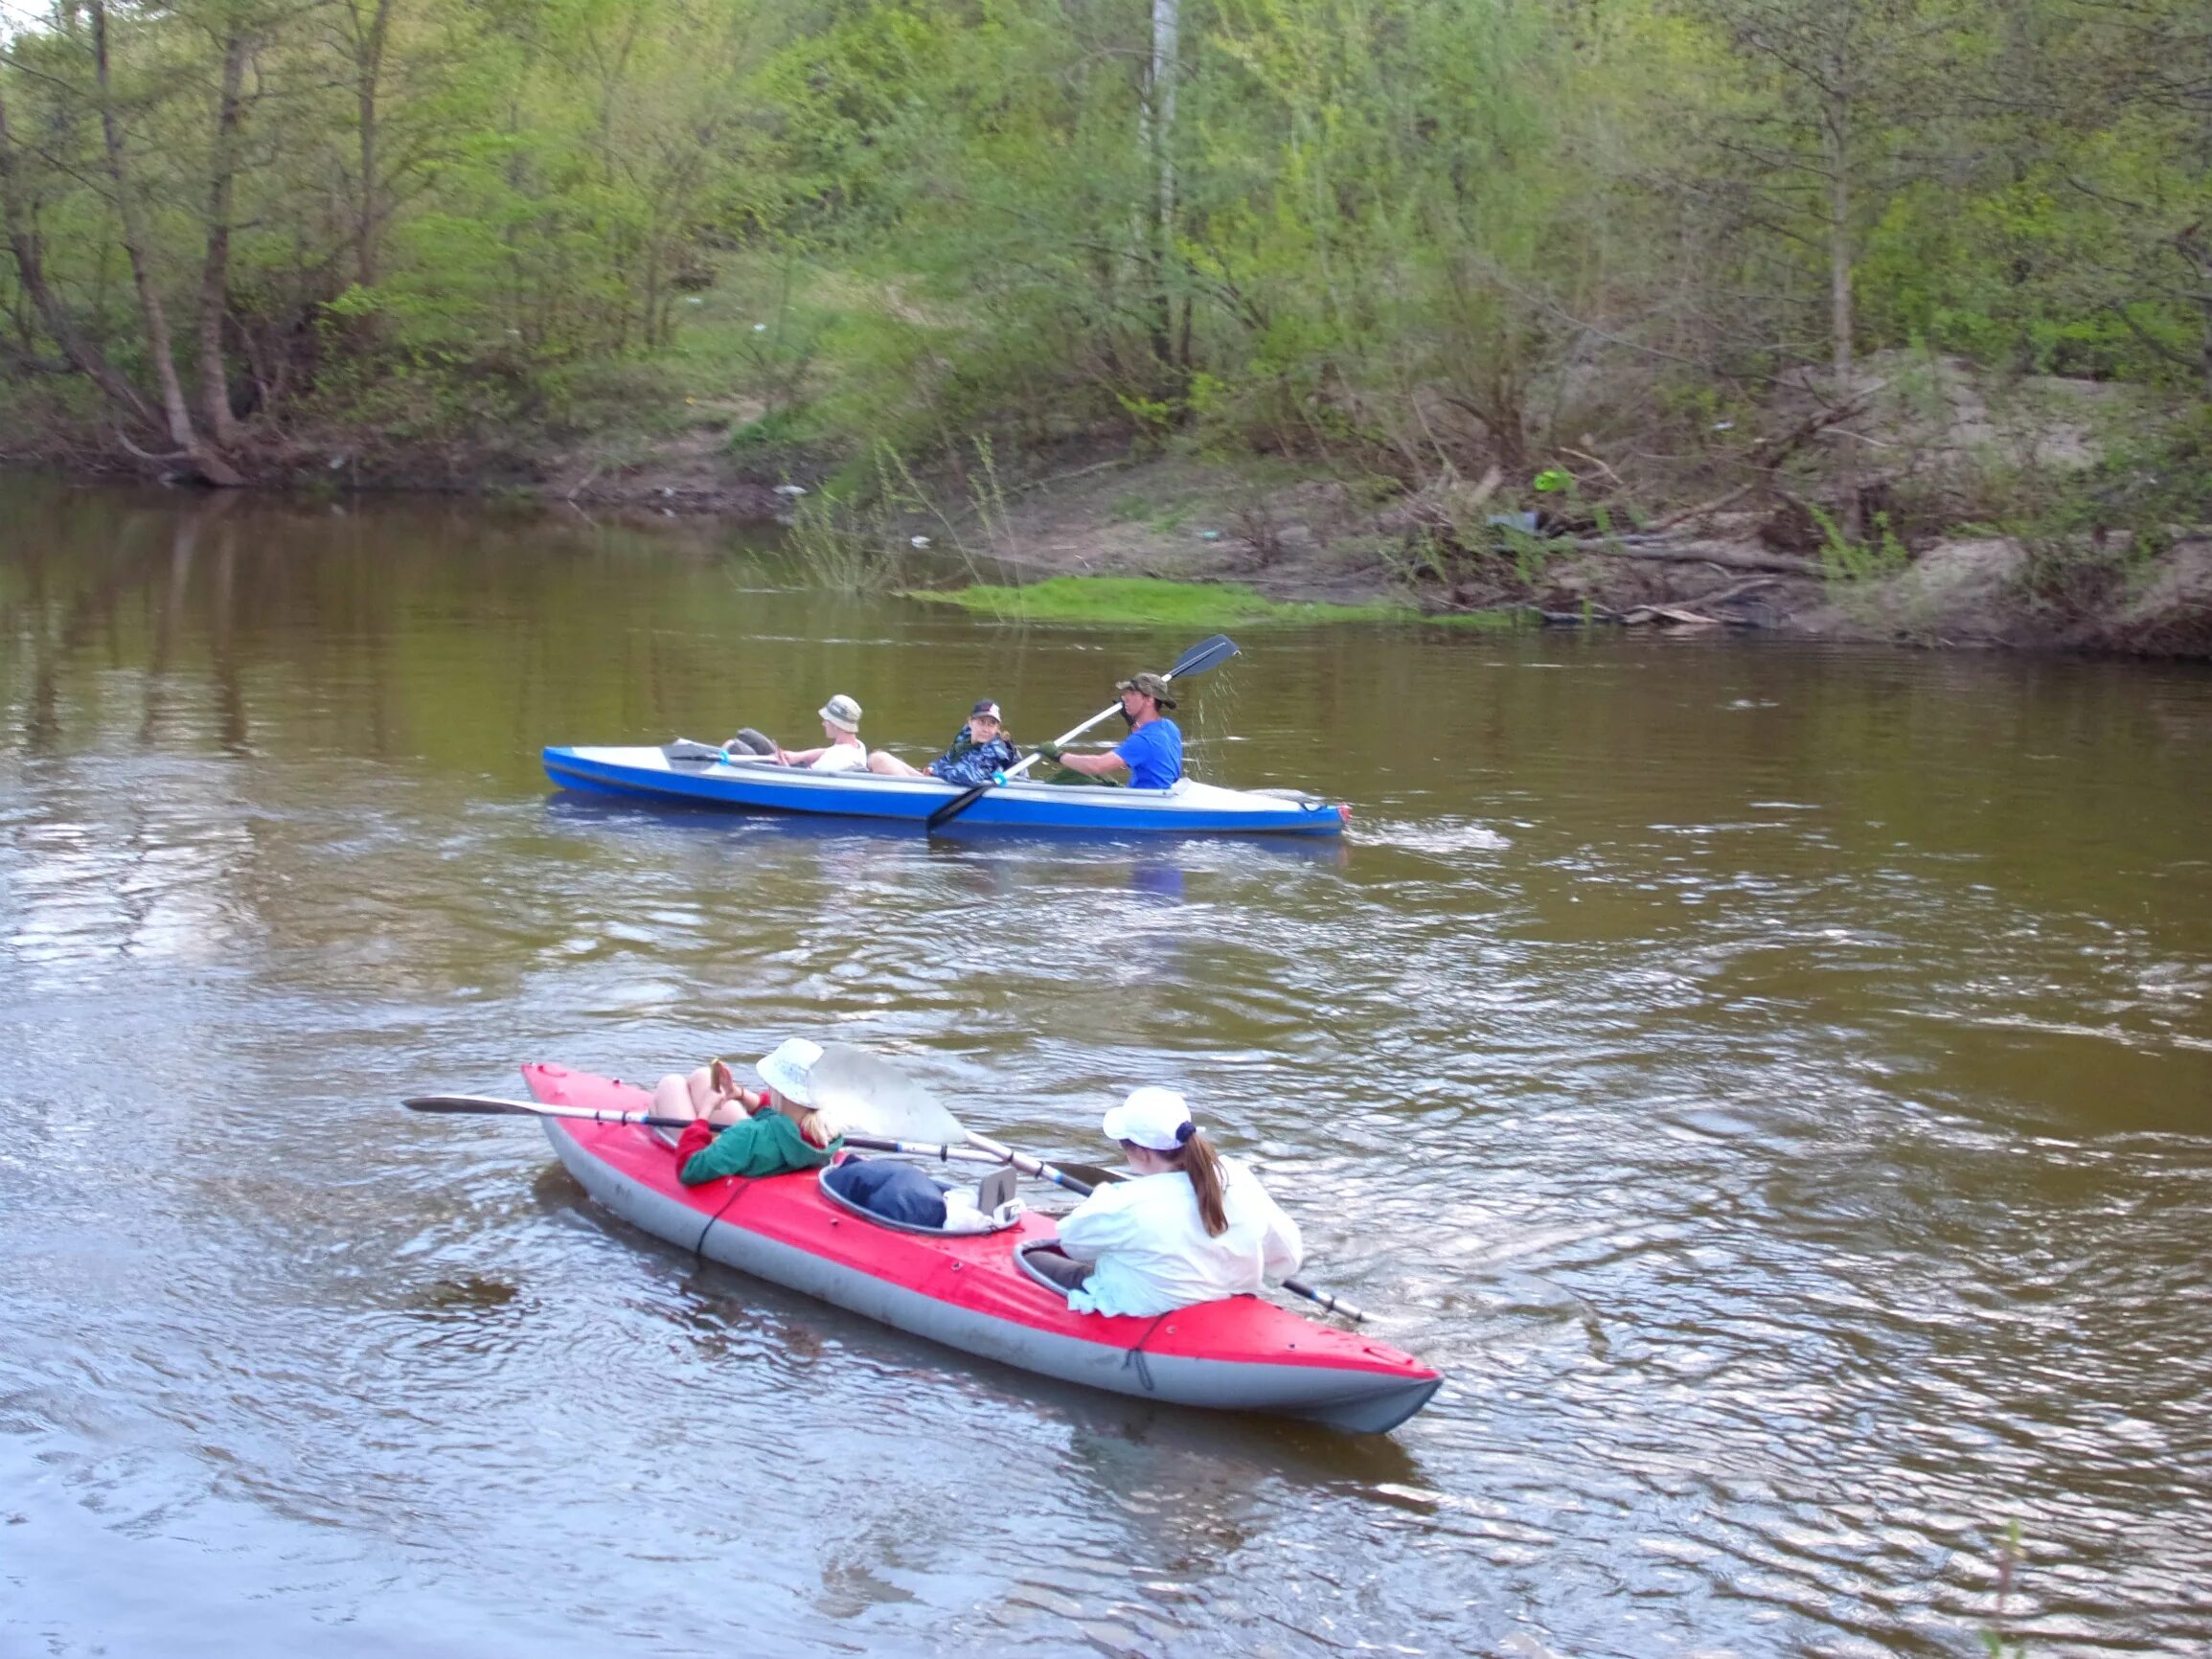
x,y
986,708
1152,685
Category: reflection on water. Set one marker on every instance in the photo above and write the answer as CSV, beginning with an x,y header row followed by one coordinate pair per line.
x,y
1774,1083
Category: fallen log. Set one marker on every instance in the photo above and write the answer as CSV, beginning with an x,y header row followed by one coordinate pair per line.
x,y
1692,553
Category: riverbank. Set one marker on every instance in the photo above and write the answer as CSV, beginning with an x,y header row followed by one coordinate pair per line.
x,y
2010,516
1114,541
1307,547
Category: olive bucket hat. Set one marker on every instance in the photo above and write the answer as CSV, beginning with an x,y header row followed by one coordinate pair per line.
x,y
842,713
1152,685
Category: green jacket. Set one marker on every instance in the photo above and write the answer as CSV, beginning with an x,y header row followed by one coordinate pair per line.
x,y
768,1145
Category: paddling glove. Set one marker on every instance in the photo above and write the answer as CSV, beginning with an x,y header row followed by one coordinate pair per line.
x,y
1050,751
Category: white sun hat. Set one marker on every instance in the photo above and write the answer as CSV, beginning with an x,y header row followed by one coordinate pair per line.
x,y
786,1069
842,713
1151,1117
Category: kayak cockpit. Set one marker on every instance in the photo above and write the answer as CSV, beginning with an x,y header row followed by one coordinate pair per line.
x,y
994,1188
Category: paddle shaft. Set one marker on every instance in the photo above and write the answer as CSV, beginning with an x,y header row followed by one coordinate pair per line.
x,y
1062,740
1029,1166
492,1106
960,803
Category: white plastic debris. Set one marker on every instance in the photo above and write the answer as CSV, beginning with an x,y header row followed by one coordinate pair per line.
x,y
790,489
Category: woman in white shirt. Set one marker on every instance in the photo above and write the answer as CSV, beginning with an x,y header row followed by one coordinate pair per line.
x,y
1192,1226
844,752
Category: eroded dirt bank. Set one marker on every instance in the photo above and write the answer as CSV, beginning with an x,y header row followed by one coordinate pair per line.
x,y
1311,540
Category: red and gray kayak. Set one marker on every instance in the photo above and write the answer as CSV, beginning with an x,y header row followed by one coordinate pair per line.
x,y
970,1291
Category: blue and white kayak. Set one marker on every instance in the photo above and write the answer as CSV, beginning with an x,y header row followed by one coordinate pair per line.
x,y
743,785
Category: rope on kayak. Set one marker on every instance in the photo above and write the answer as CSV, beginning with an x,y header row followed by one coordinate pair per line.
x,y
1135,1356
736,1191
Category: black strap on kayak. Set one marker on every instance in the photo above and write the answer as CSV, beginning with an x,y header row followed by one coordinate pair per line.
x,y
736,1193
1135,1356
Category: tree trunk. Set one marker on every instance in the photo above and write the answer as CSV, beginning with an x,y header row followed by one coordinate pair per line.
x,y
1835,135
214,276
369,39
159,345
31,270
1167,26
1838,128
1157,132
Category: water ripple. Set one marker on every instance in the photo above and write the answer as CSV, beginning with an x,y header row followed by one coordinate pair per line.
x,y
1790,1139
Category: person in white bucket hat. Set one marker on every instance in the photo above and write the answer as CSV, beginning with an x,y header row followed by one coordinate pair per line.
x,y
1192,1226
844,752
741,1131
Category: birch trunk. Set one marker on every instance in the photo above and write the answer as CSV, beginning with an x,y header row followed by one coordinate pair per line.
x,y
215,274
1156,130
1835,136
160,346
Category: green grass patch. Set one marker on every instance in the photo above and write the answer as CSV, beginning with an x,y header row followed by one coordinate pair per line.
x,y
1143,600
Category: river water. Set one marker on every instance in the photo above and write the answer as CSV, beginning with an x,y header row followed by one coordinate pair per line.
x,y
1774,1082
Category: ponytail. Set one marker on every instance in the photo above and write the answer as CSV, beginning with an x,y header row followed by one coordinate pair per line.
x,y
816,1128
1198,1159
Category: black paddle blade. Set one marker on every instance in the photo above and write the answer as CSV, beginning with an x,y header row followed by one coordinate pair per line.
x,y
1205,654
478,1106
954,807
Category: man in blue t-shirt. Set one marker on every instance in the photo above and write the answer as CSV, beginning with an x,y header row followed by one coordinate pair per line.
x,y
1151,753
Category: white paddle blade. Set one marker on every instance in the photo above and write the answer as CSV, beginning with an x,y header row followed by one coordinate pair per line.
x,y
870,1096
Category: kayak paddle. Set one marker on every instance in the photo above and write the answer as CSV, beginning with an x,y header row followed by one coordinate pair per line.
x,y
857,1082
493,1106
869,1093
1205,654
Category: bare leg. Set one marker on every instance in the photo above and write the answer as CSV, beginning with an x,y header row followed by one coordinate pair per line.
x,y
673,1099
892,767
710,1103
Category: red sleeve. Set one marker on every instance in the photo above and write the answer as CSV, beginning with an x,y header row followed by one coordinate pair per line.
x,y
695,1139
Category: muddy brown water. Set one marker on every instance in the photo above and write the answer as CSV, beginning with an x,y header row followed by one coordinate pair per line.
x,y
1774,1082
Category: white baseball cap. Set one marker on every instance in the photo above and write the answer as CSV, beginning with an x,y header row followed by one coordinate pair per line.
x,y
786,1069
1151,1117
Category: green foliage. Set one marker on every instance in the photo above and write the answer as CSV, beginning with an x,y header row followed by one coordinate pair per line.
x,y
1403,243
778,429
1844,559
2088,535
2010,1554
1147,601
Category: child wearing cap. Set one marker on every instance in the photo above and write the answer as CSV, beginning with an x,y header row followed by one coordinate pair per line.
x,y
981,750
844,752
739,1131
1192,1226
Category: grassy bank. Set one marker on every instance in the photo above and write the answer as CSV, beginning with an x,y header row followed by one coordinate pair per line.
x,y
1148,601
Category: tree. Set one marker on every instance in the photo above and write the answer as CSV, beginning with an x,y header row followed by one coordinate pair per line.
x,y
130,211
